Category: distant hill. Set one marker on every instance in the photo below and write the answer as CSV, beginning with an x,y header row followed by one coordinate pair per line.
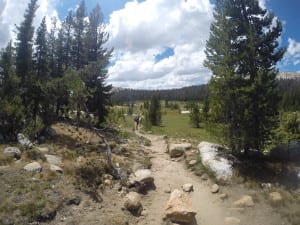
x,y
287,82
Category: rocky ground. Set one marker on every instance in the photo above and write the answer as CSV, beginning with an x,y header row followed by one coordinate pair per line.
x,y
157,183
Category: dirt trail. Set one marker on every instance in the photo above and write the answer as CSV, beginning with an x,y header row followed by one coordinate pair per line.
x,y
211,210
168,174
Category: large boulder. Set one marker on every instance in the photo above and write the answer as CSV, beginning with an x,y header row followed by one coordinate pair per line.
x,y
177,150
23,141
133,203
33,167
179,207
13,152
211,158
142,176
53,159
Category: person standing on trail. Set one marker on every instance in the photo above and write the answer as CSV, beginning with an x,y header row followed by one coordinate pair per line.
x,y
137,120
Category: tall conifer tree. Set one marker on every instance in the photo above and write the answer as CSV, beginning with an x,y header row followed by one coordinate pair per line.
x,y
242,53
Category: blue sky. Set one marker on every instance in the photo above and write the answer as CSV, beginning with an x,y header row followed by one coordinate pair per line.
x,y
158,44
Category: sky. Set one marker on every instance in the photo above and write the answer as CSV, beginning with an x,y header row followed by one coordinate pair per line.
x,y
158,44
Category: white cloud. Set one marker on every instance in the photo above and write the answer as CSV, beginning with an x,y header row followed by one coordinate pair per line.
x,y
262,3
12,13
292,55
140,31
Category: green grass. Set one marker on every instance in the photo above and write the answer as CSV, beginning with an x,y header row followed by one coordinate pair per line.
x,y
178,126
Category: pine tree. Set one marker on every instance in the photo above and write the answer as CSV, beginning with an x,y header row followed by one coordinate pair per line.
x,y
195,117
154,111
242,53
24,43
11,108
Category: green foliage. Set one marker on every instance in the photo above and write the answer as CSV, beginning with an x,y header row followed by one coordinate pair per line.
x,y
242,52
58,72
195,116
154,111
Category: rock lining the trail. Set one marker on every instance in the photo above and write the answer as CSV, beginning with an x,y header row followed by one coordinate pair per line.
x,y
221,167
179,207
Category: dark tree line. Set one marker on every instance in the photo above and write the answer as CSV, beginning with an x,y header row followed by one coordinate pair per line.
x,y
56,72
192,93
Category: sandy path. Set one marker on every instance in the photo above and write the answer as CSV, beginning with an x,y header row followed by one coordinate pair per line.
x,y
211,210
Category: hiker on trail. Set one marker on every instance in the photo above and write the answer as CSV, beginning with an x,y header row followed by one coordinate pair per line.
x,y
137,120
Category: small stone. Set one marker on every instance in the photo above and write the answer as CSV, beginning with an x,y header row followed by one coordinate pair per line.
x,y
245,201
133,203
13,152
43,149
53,159
223,196
193,162
232,220
56,168
188,187
275,197
167,190
33,167
204,176
214,189
108,182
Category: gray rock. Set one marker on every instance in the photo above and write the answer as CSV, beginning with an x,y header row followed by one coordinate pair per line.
x,y
223,196
232,220
177,150
56,168
193,162
133,203
53,159
23,141
33,167
214,188
43,149
245,201
142,176
179,207
13,152
275,196
51,132
204,176
188,187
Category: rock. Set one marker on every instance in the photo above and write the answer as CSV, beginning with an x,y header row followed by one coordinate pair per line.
x,y
33,167
108,182
75,200
23,141
193,162
177,150
245,201
221,167
143,176
266,185
51,132
167,190
13,152
204,176
53,159
133,203
43,149
188,187
223,196
275,197
214,189
232,220
179,207
56,168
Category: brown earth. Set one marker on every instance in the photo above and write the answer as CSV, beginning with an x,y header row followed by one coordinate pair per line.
x,y
169,175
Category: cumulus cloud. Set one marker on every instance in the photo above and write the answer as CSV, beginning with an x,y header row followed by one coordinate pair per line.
x,y
12,14
292,55
142,30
